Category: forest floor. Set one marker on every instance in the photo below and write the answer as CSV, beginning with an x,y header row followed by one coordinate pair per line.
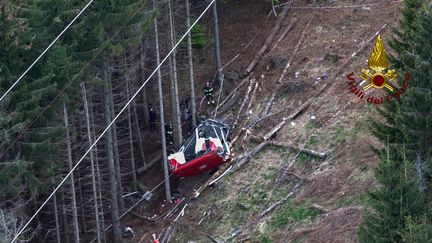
x,y
331,200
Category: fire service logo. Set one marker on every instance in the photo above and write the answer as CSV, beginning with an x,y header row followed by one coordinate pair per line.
x,y
378,79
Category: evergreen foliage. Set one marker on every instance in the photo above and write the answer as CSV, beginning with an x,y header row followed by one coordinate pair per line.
x,y
400,203
31,118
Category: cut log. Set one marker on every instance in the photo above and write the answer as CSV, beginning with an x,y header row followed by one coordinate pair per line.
x,y
243,82
269,103
268,41
243,104
283,35
320,208
248,155
294,53
252,98
230,103
320,155
285,120
280,202
150,164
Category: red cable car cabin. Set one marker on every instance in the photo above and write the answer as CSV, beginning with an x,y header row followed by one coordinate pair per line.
x,y
206,149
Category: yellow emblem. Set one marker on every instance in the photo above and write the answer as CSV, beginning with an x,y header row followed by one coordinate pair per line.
x,y
378,62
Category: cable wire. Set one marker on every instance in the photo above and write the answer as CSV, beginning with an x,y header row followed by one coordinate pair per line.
x,y
109,125
45,51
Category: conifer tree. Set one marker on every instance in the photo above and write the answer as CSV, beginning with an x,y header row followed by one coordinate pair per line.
x,y
403,196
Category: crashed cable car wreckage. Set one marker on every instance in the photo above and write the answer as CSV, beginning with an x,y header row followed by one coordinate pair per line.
x,y
205,150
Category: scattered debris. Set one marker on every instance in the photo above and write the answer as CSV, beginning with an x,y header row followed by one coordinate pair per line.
x,y
147,195
182,212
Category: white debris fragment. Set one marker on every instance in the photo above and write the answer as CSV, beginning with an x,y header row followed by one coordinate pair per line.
x,y
293,124
355,40
366,8
250,111
334,41
313,117
297,74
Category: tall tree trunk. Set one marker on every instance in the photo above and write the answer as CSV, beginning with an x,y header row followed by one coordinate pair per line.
x,y
161,110
142,78
220,73
133,105
138,134
83,219
92,164
191,69
116,236
65,221
69,154
115,143
99,177
177,130
56,218
131,146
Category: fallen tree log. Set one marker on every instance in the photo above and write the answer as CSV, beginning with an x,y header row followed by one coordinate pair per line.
x,y
243,82
285,120
283,35
280,202
243,104
230,103
252,98
320,208
285,70
268,41
150,164
242,229
248,155
321,155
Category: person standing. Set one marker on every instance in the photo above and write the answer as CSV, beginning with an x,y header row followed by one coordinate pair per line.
x,y
208,92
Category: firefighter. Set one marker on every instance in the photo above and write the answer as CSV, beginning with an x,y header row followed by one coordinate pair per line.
x,y
208,92
169,134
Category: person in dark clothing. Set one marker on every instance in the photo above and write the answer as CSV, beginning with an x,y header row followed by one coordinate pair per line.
x,y
208,92
187,121
152,118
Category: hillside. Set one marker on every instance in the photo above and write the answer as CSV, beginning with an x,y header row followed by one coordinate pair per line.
x,y
327,196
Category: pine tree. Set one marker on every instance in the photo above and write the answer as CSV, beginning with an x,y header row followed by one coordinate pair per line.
x,y
396,198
